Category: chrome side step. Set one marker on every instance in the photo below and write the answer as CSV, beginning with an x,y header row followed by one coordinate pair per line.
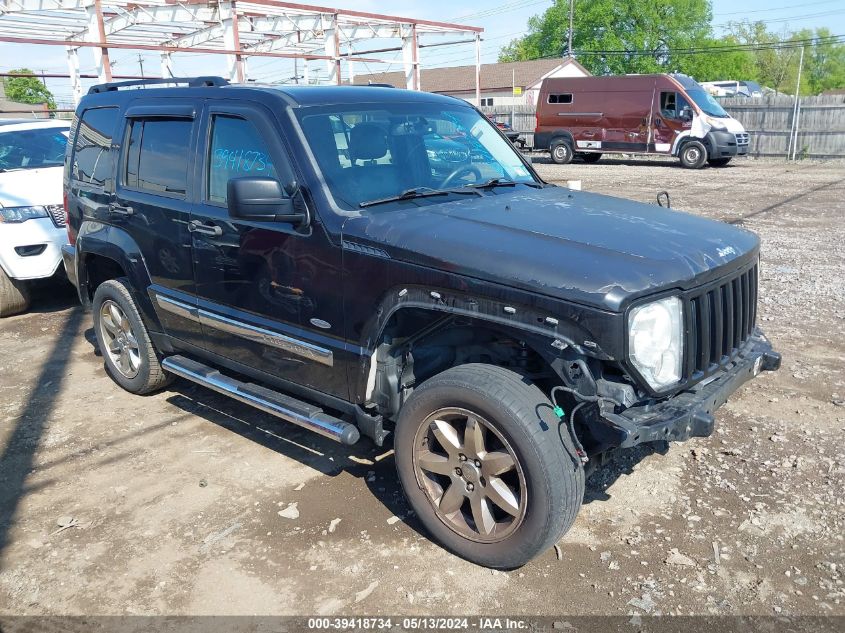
x,y
272,402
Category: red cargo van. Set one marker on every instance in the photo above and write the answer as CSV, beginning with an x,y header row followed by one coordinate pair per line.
x,y
670,115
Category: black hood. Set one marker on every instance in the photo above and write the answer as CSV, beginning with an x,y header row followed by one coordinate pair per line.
x,y
588,248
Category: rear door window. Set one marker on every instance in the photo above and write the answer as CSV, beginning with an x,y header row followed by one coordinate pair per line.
x,y
157,156
92,154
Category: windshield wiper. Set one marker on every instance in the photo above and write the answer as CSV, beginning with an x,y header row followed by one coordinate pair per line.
x,y
418,192
502,182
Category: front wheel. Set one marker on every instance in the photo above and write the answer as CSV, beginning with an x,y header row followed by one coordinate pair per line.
x,y
693,155
487,466
718,162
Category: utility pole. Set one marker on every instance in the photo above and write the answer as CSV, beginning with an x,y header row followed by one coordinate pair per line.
x,y
141,64
571,11
797,107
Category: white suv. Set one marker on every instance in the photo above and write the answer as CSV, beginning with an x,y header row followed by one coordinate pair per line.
x,y
32,217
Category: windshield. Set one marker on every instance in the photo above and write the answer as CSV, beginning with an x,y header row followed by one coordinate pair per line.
x,y
377,152
29,149
707,103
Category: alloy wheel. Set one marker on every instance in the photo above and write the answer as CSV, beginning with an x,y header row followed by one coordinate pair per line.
x,y
470,474
119,339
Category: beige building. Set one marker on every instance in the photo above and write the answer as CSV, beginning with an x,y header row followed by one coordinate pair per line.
x,y
497,80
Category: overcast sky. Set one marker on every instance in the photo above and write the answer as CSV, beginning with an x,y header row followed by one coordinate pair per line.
x,y
502,20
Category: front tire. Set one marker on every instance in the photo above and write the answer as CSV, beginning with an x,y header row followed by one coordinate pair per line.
x,y
693,155
561,152
128,352
14,295
487,465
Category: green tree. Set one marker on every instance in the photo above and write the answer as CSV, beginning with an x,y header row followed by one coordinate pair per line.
x,y
646,28
716,60
825,63
775,67
27,89
824,59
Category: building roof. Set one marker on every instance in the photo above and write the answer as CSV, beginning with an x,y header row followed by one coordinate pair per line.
x,y
500,76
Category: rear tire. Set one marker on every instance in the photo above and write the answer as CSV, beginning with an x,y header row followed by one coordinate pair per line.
x,y
513,497
14,295
693,155
718,162
561,152
128,352
590,158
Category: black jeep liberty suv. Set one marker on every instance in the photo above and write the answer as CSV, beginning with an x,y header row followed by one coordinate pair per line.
x,y
368,261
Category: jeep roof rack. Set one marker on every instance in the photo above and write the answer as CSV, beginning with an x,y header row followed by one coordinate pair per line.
x,y
191,82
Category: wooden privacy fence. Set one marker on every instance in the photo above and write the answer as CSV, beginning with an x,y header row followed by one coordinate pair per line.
x,y
769,120
821,124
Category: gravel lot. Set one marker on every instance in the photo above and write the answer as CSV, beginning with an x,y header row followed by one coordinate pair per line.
x,y
188,503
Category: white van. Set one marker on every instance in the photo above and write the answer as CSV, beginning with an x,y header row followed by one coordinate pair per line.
x,y
32,216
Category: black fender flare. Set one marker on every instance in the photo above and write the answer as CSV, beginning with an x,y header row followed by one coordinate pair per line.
x,y
114,243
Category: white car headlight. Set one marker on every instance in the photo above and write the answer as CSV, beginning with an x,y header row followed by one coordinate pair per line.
x,y
655,341
14,215
716,124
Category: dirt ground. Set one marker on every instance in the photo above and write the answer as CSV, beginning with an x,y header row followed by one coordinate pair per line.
x,y
189,503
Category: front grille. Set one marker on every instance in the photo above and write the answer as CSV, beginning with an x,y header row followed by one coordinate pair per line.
x,y
742,139
57,214
719,321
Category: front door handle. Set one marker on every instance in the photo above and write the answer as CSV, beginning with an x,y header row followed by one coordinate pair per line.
x,y
195,226
116,209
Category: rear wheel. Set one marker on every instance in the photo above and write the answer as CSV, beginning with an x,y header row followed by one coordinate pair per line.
x,y
561,152
487,466
590,158
14,295
128,352
718,162
693,155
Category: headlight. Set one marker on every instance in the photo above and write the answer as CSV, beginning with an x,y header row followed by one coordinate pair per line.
x,y
432,155
21,214
655,341
716,124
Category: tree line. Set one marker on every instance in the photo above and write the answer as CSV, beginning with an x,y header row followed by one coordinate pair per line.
x,y
660,36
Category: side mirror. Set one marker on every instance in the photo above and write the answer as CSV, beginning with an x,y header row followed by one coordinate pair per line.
x,y
257,198
686,114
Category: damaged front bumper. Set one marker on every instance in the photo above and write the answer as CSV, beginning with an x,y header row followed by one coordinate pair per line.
x,y
690,413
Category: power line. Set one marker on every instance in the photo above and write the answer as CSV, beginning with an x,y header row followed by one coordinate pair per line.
x,y
703,50
791,6
793,18
502,8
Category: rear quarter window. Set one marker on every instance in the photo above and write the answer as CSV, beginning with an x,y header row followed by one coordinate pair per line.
x,y
92,161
